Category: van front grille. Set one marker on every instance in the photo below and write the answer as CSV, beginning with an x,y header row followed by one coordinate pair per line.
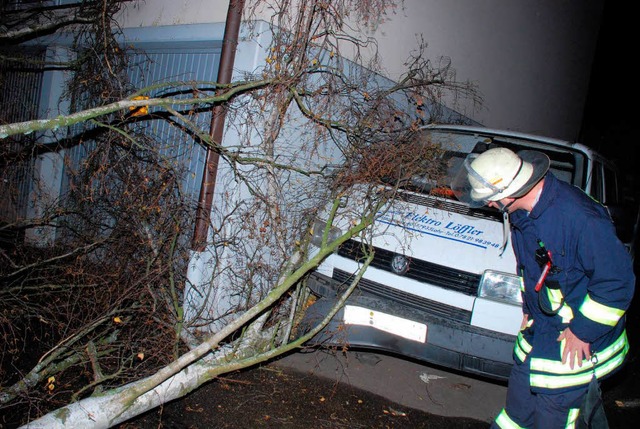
x,y
379,290
422,271
449,206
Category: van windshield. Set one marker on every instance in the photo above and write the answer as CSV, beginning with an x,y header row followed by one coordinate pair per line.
x,y
566,164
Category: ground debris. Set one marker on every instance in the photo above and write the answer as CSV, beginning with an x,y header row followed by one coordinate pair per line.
x,y
629,403
264,398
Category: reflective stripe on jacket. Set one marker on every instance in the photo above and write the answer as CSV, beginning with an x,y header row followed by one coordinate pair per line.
x,y
589,289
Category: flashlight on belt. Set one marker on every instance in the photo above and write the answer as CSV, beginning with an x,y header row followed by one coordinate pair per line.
x,y
543,258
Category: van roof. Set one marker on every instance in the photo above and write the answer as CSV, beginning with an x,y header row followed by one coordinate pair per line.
x,y
515,134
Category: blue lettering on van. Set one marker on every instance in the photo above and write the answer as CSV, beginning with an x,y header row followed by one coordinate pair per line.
x,y
463,229
420,222
423,219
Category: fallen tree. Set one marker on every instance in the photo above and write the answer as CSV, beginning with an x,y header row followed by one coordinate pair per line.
x,y
199,366
109,298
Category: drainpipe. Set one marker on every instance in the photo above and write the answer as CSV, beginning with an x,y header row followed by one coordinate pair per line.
x,y
225,70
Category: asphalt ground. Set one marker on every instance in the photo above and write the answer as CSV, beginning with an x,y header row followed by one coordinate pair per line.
x,y
408,383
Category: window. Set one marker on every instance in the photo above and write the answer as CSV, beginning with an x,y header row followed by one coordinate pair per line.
x,y
597,182
611,196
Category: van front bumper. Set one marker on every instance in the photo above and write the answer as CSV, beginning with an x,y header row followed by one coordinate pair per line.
x,y
449,343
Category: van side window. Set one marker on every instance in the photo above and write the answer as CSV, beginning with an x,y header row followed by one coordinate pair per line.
x,y
611,196
597,182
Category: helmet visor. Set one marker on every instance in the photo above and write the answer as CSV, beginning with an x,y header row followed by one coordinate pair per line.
x,y
471,188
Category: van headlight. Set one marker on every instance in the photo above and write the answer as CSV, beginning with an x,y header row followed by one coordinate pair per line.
x,y
318,230
501,287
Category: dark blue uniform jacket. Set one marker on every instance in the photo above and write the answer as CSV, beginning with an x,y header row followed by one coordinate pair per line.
x,y
589,288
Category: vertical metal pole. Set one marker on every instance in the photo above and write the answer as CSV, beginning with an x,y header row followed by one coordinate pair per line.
x,y
225,71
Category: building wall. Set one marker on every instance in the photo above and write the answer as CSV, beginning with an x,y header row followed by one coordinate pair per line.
x,y
531,61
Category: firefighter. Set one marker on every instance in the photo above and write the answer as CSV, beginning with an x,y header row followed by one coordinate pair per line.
x,y
578,284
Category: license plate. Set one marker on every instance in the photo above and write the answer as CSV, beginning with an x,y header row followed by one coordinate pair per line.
x,y
385,322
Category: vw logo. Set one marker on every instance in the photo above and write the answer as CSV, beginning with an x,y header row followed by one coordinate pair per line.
x,y
400,264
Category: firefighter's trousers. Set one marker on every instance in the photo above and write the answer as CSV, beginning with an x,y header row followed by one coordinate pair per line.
x,y
525,409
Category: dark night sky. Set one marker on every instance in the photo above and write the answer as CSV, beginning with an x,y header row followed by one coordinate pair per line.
x,y
607,120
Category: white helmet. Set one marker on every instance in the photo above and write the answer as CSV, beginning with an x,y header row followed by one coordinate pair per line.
x,y
499,173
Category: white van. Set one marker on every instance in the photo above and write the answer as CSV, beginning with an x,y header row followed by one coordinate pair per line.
x,y
442,286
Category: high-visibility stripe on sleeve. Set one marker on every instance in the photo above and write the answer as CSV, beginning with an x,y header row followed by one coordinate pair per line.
x,y
556,299
522,347
600,313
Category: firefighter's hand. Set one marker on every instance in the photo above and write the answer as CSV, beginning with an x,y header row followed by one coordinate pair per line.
x,y
525,321
574,348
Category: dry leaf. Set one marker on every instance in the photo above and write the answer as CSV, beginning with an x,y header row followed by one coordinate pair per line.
x,y
397,412
142,110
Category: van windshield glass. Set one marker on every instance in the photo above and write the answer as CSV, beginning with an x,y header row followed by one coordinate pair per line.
x,y
567,164
441,172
